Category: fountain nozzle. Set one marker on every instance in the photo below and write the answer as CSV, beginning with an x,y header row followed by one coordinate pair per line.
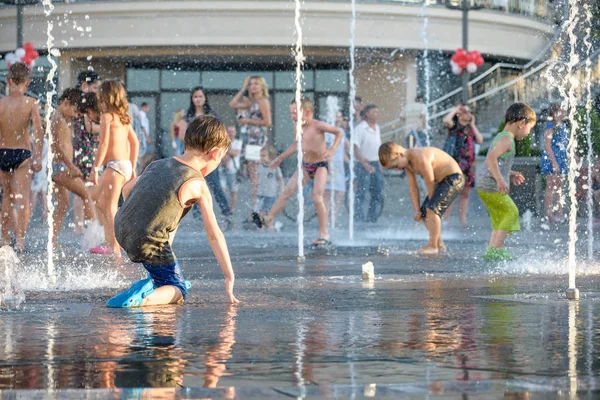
x,y
573,294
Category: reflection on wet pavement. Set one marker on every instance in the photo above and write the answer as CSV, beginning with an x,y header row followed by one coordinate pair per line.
x,y
444,326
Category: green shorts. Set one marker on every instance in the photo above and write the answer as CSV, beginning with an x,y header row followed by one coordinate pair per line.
x,y
503,211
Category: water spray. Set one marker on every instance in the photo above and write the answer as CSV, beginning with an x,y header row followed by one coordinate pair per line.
x,y
50,93
351,97
299,55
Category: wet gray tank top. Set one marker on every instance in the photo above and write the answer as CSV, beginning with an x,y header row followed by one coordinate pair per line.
x,y
487,183
146,223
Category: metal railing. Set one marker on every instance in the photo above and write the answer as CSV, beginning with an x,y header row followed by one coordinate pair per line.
x,y
500,75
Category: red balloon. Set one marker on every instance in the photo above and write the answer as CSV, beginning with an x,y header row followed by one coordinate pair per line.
x,y
34,54
461,52
28,46
479,62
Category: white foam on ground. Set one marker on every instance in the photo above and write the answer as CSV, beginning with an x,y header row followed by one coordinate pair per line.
x,y
546,264
83,276
11,292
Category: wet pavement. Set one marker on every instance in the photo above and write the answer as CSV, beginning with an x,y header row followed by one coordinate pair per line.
x,y
451,326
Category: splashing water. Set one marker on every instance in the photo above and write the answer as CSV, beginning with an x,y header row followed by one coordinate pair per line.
x,y
427,72
299,51
11,294
333,108
588,119
351,97
48,8
527,217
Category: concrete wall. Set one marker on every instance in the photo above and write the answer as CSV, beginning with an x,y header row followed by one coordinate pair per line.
x,y
93,25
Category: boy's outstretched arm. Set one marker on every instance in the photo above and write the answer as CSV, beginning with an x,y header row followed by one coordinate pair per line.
x,y
216,239
288,152
501,147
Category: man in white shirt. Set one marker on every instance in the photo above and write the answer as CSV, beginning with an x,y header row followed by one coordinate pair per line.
x,y
414,117
369,172
146,152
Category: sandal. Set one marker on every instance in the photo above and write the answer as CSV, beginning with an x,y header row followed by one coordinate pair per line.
x,y
134,296
321,242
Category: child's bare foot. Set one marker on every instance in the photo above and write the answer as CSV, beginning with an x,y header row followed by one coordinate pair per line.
x,y
442,246
19,245
428,250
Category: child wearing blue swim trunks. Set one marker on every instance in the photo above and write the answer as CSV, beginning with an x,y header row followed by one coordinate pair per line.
x,y
554,162
156,202
496,174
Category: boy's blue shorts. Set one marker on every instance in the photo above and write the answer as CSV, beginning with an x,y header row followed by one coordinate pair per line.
x,y
167,275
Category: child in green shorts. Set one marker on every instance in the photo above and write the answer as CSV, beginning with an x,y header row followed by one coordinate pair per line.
x,y
493,184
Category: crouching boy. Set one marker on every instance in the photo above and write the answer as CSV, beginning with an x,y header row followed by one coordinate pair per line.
x,y
156,202
443,179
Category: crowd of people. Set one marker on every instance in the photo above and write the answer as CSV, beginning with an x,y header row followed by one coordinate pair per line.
x,y
102,153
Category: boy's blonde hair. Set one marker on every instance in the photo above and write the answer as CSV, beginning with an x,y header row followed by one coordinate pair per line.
x,y
263,84
112,95
305,103
270,150
520,112
387,151
206,133
18,73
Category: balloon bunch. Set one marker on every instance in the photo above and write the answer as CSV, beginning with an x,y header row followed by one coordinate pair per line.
x,y
26,54
462,60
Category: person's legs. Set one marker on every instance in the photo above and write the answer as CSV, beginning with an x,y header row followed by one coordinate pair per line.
x,y
78,215
498,239
463,204
8,210
110,186
169,285
22,192
61,197
320,180
290,189
214,183
252,168
327,200
232,185
549,196
363,181
339,199
376,189
77,187
559,200
434,226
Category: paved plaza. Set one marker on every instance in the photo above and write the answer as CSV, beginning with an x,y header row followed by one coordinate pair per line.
x,y
449,326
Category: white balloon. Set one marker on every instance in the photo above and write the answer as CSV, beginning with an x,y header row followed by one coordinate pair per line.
x,y
472,68
456,70
20,53
10,58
